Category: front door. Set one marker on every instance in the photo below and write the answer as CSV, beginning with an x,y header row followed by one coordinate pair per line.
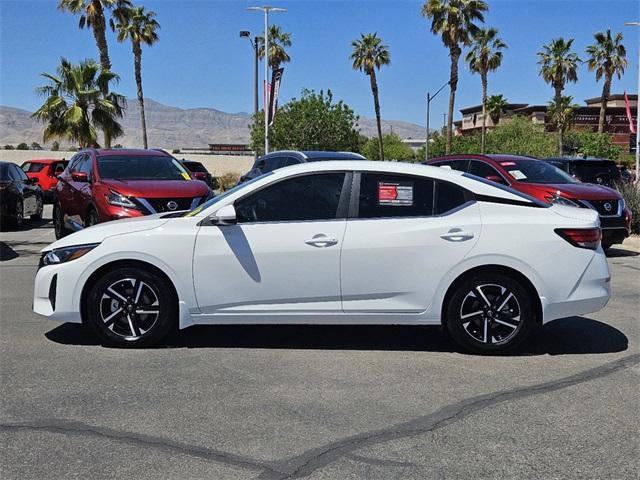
x,y
283,256
408,232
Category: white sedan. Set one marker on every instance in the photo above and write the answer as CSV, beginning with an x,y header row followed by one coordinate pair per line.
x,y
335,243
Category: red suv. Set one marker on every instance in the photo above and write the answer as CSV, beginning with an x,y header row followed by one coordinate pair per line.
x,y
46,170
545,182
102,185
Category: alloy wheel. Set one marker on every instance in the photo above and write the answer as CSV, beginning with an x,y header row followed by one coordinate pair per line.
x,y
129,308
490,314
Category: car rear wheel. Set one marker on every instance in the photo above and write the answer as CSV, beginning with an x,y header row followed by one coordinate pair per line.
x,y
131,307
58,221
490,313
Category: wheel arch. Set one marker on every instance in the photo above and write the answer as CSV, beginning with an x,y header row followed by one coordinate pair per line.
x,y
129,263
495,268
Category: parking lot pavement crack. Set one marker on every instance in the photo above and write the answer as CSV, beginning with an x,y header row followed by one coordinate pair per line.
x,y
305,464
69,427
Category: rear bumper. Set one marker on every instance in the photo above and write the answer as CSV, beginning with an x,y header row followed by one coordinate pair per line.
x,y
590,293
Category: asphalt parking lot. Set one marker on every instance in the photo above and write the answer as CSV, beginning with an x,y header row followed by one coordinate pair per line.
x,y
273,402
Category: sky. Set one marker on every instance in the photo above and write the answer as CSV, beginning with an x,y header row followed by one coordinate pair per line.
x,y
201,61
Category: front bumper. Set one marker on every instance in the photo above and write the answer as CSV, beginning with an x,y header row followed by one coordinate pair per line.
x,y
53,293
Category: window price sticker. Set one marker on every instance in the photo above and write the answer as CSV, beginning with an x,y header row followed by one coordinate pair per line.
x,y
395,194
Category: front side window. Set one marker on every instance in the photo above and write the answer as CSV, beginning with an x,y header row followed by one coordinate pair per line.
x,y
304,198
386,195
75,162
141,167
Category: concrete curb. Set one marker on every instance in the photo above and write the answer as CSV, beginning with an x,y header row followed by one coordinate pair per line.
x,y
631,243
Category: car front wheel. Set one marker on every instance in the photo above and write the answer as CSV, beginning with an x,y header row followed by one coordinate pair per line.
x,y
58,221
131,307
490,313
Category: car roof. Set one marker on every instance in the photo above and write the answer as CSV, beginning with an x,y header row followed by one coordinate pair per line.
x,y
496,157
578,159
44,160
126,151
316,154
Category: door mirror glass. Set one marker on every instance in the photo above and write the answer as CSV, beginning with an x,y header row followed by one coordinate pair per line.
x,y
225,216
80,176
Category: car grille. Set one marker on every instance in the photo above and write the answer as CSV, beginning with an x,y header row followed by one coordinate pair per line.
x,y
606,208
161,205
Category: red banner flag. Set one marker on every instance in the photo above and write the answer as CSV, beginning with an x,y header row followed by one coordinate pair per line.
x,y
632,127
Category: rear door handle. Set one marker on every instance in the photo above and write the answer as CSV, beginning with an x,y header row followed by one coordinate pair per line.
x,y
321,240
457,235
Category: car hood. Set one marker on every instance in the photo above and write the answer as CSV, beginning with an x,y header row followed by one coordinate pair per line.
x,y
100,232
158,188
580,191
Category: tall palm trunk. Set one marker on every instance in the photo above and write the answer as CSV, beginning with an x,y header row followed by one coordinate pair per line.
x,y
98,26
454,54
606,91
376,105
484,111
137,56
558,120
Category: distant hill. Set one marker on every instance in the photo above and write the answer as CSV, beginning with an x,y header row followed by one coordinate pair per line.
x,y
173,127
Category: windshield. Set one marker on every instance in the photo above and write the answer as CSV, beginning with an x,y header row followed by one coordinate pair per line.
x,y
214,200
595,171
142,167
33,167
536,171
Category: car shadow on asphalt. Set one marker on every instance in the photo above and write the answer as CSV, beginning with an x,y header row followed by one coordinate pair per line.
x,y
569,336
620,252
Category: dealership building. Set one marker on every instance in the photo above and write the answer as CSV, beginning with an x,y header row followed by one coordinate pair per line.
x,y
586,117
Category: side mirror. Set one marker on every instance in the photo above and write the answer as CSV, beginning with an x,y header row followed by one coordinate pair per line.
x,y
495,178
80,177
225,216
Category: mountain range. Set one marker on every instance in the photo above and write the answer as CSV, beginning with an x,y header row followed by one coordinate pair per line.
x,y
173,127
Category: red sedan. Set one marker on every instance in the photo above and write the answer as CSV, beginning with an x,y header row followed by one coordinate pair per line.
x,y
545,182
46,170
101,185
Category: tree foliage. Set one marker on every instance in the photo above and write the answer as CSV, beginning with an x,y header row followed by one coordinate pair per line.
x,y
591,144
394,149
313,122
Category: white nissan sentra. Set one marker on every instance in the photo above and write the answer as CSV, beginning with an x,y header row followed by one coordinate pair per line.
x,y
335,243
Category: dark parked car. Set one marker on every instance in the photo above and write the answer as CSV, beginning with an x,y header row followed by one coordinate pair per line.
x,y
284,158
20,196
589,170
199,172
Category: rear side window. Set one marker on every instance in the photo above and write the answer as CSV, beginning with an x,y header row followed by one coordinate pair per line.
x,y
448,196
195,167
304,198
454,164
389,196
57,168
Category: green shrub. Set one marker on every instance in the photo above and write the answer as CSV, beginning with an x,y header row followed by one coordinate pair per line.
x,y
9,147
227,181
175,150
55,146
22,146
631,194
394,149
590,144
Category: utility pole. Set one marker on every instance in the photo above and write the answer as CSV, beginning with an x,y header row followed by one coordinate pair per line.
x,y
254,45
637,24
266,9
429,98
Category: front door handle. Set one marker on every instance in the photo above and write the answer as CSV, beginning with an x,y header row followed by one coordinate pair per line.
x,y
457,235
321,240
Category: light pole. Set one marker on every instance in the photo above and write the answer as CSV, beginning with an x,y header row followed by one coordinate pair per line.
x,y
637,24
254,45
266,9
429,98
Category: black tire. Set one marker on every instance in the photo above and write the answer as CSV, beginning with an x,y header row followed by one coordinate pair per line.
x,y
115,317
490,313
92,218
39,209
58,221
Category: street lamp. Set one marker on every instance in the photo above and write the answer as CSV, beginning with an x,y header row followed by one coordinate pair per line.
x,y
254,45
266,9
429,98
637,24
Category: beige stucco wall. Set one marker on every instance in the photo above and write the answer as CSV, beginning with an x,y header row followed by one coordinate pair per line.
x,y
216,164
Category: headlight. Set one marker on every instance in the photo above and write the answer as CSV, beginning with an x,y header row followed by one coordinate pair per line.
x,y
119,200
65,254
558,200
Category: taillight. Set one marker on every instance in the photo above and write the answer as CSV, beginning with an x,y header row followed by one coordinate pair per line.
x,y
581,237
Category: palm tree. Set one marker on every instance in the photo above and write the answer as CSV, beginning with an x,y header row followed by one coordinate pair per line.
x,y
278,42
607,57
558,65
369,54
454,21
140,27
92,15
78,102
485,56
496,104
563,112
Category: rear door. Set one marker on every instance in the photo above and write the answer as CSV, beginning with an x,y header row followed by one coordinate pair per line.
x,y
29,199
282,256
407,233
